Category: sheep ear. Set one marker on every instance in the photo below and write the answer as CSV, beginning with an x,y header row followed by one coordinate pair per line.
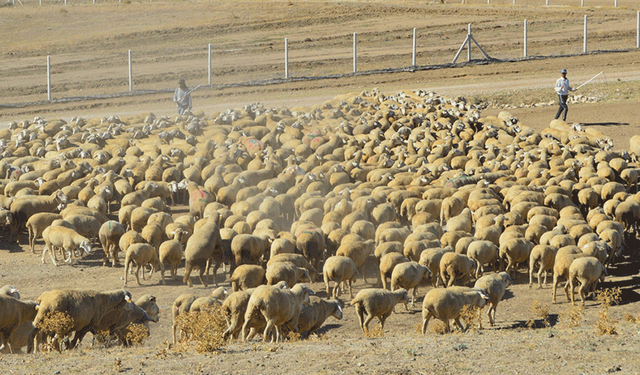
x,y
339,307
152,299
127,298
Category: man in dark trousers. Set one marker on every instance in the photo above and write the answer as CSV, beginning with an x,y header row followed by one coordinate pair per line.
x,y
563,88
182,97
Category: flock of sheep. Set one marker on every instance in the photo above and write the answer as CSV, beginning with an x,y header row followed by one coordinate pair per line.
x,y
418,184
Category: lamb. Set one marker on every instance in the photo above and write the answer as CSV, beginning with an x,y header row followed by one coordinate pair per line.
x,y
278,306
456,267
85,307
408,275
483,252
13,313
588,271
234,308
171,253
340,269
545,256
494,286
377,303
140,254
109,235
203,245
68,240
316,312
37,224
446,304
247,276
286,271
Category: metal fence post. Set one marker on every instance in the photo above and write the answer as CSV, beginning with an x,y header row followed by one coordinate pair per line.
x,y
638,32
355,52
130,73
525,38
286,58
49,78
413,60
209,65
469,43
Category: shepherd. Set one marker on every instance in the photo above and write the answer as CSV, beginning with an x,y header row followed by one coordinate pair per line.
x,y
563,88
182,97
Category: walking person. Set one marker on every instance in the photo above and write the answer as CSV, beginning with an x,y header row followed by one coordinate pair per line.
x,y
182,97
563,88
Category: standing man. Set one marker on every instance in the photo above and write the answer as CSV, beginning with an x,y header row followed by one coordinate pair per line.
x,y
182,97
563,88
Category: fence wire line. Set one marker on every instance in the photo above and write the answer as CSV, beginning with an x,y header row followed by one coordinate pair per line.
x,y
278,81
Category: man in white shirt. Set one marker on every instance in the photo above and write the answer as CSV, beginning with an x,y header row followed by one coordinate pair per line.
x,y
182,97
563,88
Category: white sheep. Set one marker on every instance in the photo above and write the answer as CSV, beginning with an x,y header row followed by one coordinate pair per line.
x,y
483,252
67,240
340,269
278,306
377,303
408,275
37,223
494,286
140,254
446,304
247,276
588,271
456,267
545,257
286,271
171,253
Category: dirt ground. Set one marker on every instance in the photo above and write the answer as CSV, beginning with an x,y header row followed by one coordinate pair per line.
x,y
88,45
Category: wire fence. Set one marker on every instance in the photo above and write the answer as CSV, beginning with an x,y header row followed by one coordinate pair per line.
x,y
325,53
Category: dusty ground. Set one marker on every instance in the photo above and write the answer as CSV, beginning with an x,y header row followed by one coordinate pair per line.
x,y
88,45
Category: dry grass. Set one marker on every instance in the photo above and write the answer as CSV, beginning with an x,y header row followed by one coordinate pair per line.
x,y
374,333
205,328
55,323
605,324
631,319
438,327
472,316
136,334
294,336
572,316
541,311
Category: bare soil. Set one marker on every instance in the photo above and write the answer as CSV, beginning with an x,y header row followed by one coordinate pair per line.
x,y
88,45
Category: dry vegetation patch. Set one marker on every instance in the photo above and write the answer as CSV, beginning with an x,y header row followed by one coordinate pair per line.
x,y
205,327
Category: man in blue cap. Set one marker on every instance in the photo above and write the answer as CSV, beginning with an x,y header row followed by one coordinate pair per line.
x,y
563,88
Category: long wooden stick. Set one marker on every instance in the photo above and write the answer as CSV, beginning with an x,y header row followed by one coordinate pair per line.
x,y
594,77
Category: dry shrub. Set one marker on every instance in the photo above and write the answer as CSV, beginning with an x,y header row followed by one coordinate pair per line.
x,y
136,334
472,316
374,333
294,336
605,324
104,338
437,326
117,365
630,318
572,316
55,323
205,328
540,311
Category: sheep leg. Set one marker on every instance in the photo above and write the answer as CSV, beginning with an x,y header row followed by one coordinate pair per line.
x,y
555,285
267,331
383,318
364,276
383,278
425,322
187,272
457,323
368,320
413,297
531,274
566,289
360,313
32,240
326,284
545,278
174,326
126,271
138,274
350,289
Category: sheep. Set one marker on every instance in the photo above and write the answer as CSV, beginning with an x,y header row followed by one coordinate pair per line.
x,y
387,265
22,209
140,254
446,304
483,252
181,305
340,269
10,291
461,222
87,226
278,306
431,259
248,249
215,299
408,275
286,271
456,267
494,286
358,252
281,246
545,256
561,268
37,224
203,245
153,234
13,313
171,253
297,259
128,239
68,240
313,314
85,307
588,271
247,276
109,235
515,251
377,303
116,322
234,308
